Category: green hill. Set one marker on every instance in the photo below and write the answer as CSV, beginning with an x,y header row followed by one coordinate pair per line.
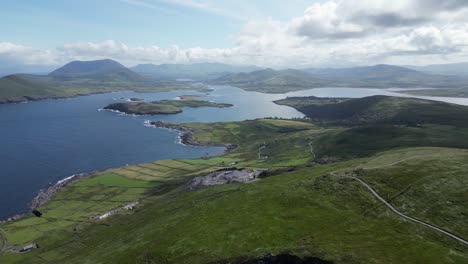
x,y
196,71
378,76
380,110
79,78
272,81
297,207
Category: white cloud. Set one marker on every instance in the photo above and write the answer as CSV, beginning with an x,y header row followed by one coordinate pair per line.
x,y
330,33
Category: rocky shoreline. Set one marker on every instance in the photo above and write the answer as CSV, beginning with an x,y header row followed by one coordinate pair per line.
x,y
186,136
44,196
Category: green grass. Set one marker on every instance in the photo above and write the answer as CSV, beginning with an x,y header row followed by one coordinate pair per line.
x,y
368,140
430,185
114,180
306,211
299,212
383,110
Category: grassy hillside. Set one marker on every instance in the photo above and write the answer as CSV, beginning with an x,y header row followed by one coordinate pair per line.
x,y
306,202
79,78
462,92
380,123
378,76
299,210
381,110
271,81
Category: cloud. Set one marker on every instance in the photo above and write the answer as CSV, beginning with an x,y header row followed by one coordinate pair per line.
x,y
356,19
13,54
331,33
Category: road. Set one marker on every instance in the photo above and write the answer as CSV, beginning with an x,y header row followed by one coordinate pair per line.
x,y
312,151
260,151
463,241
4,241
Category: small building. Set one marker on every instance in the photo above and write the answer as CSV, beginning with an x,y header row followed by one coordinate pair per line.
x,y
29,247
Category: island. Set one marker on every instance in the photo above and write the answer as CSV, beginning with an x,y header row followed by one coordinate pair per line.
x,y
164,107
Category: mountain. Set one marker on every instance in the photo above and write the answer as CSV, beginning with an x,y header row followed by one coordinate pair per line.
x,y
21,87
197,71
273,81
99,69
378,76
79,78
377,72
446,69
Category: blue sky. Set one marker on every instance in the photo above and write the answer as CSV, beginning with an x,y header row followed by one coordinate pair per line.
x,y
49,23
270,33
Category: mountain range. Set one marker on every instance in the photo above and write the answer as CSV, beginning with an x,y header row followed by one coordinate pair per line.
x,y
100,76
196,71
79,78
378,76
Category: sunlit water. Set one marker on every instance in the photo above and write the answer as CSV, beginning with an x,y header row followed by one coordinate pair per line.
x,y
45,141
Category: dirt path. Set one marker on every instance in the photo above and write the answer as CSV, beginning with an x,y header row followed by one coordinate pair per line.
x,y
260,150
4,241
388,165
312,151
408,217
435,228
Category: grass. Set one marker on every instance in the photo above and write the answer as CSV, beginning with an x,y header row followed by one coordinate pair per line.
x,y
161,107
369,140
383,110
114,180
300,212
303,210
429,185
463,92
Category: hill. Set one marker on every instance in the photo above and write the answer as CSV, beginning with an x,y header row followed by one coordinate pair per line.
x,y
99,69
378,76
297,207
446,69
163,107
79,78
273,81
381,110
379,123
196,71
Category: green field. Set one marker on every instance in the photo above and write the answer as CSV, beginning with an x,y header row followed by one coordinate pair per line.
x,y
308,204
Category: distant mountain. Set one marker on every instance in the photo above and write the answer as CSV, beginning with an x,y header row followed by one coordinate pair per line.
x,y
446,69
197,71
99,69
273,81
378,76
79,78
372,73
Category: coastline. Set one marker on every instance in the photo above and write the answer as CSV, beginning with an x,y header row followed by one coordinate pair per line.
x,y
185,138
44,196
186,135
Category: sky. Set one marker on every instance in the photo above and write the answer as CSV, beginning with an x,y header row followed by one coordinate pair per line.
x,y
37,35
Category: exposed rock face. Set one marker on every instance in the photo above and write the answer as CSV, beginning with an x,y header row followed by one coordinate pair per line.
x,y
223,177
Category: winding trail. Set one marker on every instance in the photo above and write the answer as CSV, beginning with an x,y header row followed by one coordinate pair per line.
x,y
4,241
435,228
312,151
260,150
408,217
